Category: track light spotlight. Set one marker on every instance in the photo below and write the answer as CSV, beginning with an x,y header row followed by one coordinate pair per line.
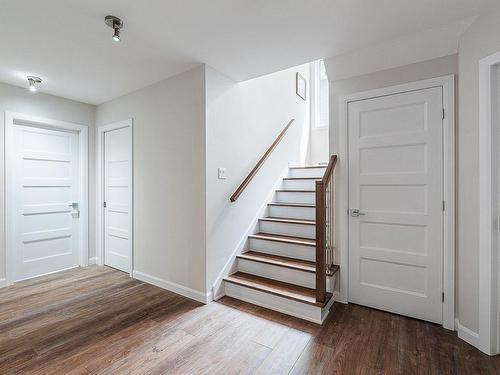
x,y
116,24
33,81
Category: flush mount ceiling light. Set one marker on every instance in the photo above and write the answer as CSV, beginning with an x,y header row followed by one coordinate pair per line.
x,y
116,24
33,81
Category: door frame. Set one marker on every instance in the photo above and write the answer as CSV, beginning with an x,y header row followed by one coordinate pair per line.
x,y
488,333
11,119
447,83
100,131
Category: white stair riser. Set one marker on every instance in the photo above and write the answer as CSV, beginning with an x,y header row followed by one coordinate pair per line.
x,y
301,213
307,172
269,271
270,301
331,281
294,197
288,229
283,249
299,185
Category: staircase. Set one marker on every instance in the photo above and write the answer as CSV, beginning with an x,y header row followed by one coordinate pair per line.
x,y
278,270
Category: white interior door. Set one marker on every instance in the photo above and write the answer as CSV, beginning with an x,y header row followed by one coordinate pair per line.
x,y
118,199
395,181
45,208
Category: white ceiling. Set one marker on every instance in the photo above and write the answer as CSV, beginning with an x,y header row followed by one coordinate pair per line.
x,y
67,44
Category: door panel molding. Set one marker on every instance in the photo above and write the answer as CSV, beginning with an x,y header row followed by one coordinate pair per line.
x,y
100,233
12,119
447,83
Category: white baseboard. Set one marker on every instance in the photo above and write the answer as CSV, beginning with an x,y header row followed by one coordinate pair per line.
x,y
336,297
218,287
3,283
92,261
467,335
173,287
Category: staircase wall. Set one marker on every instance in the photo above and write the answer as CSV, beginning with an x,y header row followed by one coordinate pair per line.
x,y
242,120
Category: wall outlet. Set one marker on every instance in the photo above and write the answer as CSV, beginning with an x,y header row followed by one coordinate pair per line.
x,y
222,173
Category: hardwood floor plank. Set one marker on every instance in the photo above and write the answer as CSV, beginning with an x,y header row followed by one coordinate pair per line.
x,y
97,320
270,334
285,354
319,359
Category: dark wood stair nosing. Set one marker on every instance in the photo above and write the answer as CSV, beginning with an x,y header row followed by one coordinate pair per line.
x,y
285,204
302,178
274,289
309,167
336,269
295,191
285,239
288,221
247,256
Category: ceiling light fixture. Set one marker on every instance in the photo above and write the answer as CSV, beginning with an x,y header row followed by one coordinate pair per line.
x,y
116,24
33,81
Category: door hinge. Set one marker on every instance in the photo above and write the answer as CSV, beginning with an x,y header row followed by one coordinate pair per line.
x,y
444,206
443,113
105,205
442,297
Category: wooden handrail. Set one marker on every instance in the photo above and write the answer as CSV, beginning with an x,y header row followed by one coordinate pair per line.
x,y
329,169
325,215
255,169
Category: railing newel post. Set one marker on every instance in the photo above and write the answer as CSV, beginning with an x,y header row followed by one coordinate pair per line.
x,y
325,228
320,242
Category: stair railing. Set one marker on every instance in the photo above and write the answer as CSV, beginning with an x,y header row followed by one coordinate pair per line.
x,y
255,169
325,229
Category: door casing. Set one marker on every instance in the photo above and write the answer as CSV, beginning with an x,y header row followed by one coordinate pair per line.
x,y
100,131
342,185
488,336
11,119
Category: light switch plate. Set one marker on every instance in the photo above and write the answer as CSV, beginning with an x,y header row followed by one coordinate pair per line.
x,y
222,173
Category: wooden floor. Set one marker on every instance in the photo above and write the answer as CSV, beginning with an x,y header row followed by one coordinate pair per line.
x,y
99,321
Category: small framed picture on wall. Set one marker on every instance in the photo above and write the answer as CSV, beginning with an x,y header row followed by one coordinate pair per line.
x,y
300,86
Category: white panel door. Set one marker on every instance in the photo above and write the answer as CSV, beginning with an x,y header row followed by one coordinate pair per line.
x,y
395,177
46,183
118,199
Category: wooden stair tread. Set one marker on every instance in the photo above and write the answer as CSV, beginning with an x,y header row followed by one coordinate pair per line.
x,y
309,167
335,269
295,191
302,178
285,204
277,288
285,239
288,221
276,260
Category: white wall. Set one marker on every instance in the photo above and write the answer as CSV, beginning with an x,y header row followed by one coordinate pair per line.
x,y
169,178
318,146
410,73
480,40
17,99
243,119
405,50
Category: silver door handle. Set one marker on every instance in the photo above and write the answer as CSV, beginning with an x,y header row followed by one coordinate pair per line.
x,y
75,213
356,213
